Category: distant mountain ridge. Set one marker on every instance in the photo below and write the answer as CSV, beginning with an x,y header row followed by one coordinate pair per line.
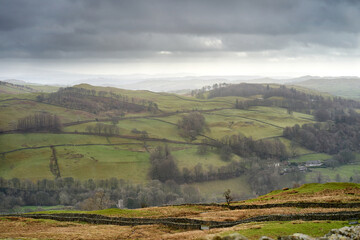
x,y
343,86
346,86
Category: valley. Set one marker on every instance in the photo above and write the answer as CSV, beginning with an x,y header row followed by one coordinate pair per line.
x,y
111,133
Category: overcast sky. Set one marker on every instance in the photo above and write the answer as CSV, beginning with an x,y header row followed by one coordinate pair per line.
x,y
117,37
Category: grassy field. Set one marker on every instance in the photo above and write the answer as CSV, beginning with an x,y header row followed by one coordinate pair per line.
x,y
335,192
317,187
275,229
221,125
12,110
32,164
10,90
100,162
166,102
310,157
329,174
270,115
15,141
186,156
346,87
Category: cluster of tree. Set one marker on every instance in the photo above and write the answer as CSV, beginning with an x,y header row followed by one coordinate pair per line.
x,y
92,194
211,173
330,137
247,147
163,166
40,122
191,125
200,93
95,102
143,133
241,90
103,129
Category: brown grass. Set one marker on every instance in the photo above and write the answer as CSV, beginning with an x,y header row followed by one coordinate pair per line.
x,y
47,229
347,195
234,215
30,228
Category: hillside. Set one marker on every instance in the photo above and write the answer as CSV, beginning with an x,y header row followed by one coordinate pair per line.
x,y
14,87
142,147
316,217
343,87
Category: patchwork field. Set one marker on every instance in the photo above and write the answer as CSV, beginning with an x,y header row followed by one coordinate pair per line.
x,y
126,156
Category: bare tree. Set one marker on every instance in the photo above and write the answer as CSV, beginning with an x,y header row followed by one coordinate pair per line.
x,y
228,197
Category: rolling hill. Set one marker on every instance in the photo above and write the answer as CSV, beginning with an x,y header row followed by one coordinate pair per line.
x,y
110,133
343,87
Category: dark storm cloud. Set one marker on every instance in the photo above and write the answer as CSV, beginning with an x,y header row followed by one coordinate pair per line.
x,y
119,28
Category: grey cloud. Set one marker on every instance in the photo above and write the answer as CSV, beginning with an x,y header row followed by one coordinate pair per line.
x,y
127,28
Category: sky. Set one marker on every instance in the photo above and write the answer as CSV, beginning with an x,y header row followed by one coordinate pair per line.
x,y
42,40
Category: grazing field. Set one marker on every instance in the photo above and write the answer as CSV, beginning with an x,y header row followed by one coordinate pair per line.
x,y
27,140
222,125
341,173
186,156
100,162
166,101
275,229
15,109
310,157
30,164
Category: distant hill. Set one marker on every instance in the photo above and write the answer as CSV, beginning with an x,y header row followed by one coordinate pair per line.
x,y
14,86
10,88
344,87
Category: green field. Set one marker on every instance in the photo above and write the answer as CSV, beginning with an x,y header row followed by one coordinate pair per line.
x,y
166,101
275,229
16,109
329,174
32,164
100,162
186,156
310,157
15,141
345,87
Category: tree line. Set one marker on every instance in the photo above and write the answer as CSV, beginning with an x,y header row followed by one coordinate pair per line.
x,y
248,147
191,125
96,101
39,122
102,128
330,138
92,194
